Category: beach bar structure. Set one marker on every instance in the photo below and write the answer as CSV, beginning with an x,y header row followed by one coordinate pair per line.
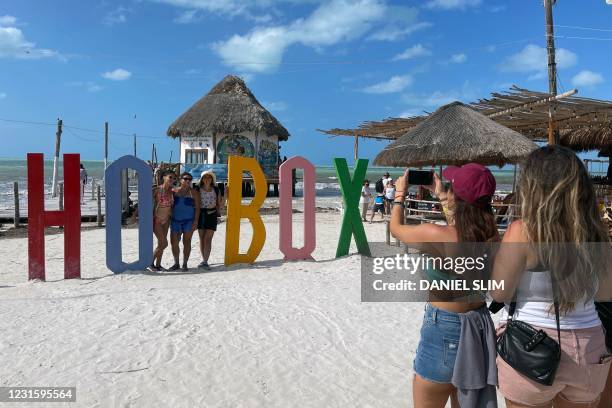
x,y
228,121
582,123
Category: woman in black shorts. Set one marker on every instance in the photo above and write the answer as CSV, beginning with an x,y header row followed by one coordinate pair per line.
x,y
210,204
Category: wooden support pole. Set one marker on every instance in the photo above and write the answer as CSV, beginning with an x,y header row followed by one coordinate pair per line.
x,y
93,189
552,68
524,106
135,145
16,193
105,150
61,196
58,141
356,147
99,219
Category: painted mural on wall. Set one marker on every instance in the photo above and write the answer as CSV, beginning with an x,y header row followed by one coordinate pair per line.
x,y
267,157
234,145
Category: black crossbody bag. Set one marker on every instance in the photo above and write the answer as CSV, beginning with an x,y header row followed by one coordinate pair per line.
x,y
529,351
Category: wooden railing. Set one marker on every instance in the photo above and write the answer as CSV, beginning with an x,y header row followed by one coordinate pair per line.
x,y
432,215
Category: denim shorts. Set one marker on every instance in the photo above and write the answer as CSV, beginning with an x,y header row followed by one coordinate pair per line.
x,y
437,350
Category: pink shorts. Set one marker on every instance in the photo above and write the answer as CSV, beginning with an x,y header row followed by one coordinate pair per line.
x,y
581,375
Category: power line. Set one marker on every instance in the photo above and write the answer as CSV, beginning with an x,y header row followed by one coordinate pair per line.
x,y
79,128
28,122
583,38
79,137
609,30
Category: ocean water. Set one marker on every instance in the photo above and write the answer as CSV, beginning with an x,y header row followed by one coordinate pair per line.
x,y
12,170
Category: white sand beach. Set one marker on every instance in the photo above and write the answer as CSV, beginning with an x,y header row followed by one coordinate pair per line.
x,y
271,334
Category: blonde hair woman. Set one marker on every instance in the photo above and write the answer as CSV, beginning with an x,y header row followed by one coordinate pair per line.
x,y
557,250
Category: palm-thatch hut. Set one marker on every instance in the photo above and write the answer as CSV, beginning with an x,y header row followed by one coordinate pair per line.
x,y
453,135
228,121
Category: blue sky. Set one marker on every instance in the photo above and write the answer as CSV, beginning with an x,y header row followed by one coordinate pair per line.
x,y
314,64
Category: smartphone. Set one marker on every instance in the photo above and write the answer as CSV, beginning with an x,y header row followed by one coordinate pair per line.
x,y
420,177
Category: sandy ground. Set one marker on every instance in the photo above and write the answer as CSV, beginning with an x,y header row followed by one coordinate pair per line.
x,y
272,334
268,334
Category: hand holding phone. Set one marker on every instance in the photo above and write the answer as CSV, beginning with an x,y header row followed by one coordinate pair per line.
x,y
420,177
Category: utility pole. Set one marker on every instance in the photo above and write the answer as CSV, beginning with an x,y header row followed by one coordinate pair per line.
x,y
552,69
105,151
58,141
135,145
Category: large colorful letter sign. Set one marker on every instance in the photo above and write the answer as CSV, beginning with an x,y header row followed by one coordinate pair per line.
x,y
69,218
286,210
236,211
114,259
351,222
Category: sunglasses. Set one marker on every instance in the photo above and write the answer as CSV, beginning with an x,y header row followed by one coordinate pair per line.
x,y
187,178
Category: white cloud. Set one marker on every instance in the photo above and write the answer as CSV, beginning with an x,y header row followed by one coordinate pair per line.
x,y
229,7
410,113
394,33
458,58
8,21
451,4
587,78
187,17
260,51
534,58
88,86
396,83
275,106
116,16
434,99
538,75
399,23
438,98
2,95
498,9
13,43
413,52
119,74
333,22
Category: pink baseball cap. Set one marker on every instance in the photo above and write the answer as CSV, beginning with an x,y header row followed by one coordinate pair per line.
x,y
472,183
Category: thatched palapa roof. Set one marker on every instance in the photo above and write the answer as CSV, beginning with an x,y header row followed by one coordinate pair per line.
x,y
583,123
229,107
456,134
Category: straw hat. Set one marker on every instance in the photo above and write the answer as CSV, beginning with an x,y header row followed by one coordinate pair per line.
x,y
209,173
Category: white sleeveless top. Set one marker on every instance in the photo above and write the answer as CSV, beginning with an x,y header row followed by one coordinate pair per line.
x,y
536,285
208,199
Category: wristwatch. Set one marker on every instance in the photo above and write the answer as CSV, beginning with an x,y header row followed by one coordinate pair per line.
x,y
400,203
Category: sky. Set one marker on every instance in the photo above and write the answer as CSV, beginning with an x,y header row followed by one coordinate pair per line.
x,y
139,64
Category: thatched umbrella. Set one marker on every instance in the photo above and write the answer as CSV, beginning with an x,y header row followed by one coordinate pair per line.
x,y
229,107
456,134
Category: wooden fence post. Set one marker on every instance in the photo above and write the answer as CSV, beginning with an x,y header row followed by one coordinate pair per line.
x,y
388,232
16,193
93,189
99,208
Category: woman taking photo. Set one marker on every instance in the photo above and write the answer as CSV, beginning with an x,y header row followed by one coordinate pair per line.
x,y
185,214
163,201
470,219
210,202
554,261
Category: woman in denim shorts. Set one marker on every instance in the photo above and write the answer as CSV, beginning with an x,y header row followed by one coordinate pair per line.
x,y
470,219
